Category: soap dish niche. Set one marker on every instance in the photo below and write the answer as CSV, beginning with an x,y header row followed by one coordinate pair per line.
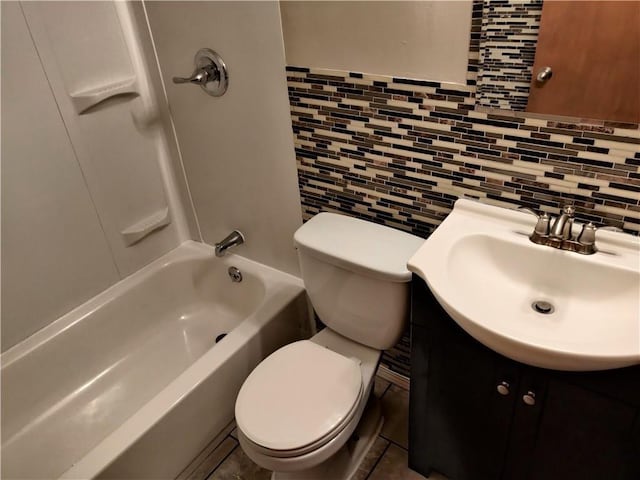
x,y
139,230
84,100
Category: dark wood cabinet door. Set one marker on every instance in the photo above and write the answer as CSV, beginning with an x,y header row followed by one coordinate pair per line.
x,y
584,434
467,419
459,422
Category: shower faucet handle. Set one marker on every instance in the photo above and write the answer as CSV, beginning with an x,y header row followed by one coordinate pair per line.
x,y
200,76
210,73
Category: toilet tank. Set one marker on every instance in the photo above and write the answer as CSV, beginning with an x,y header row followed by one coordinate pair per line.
x,y
355,273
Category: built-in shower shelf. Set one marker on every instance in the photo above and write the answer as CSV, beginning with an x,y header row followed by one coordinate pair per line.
x,y
147,225
85,99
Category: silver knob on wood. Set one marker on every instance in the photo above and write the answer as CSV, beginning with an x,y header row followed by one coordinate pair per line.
x,y
529,398
503,388
544,74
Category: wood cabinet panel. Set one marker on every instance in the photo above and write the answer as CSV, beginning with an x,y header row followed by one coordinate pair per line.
x,y
593,48
582,432
461,424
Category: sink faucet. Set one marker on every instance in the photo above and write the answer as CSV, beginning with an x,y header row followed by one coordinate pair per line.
x,y
558,235
234,239
561,228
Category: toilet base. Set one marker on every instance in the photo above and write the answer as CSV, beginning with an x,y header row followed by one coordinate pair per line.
x,y
345,462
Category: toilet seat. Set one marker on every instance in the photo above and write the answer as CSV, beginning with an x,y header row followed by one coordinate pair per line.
x,y
298,399
321,442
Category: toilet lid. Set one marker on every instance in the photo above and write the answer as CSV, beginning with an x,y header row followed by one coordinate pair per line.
x,y
297,395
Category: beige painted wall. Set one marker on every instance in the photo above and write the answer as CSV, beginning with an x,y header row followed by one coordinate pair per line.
x,y
54,252
237,149
418,39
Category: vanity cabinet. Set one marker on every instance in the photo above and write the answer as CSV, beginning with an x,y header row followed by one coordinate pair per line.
x,y
476,415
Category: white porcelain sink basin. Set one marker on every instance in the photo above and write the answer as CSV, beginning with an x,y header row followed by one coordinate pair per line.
x,y
487,274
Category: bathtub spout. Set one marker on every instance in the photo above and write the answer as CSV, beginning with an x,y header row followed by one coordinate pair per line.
x,y
234,239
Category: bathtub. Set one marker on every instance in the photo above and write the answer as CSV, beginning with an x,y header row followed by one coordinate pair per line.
x,y
132,384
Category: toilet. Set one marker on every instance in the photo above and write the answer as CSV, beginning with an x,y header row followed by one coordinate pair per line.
x,y
307,410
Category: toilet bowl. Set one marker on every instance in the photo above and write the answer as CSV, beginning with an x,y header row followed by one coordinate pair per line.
x,y
315,392
307,410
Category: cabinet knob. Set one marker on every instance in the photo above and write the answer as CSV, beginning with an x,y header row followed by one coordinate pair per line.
x,y
529,398
503,388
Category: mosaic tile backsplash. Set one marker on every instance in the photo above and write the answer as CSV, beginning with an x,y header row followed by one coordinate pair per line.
x,y
399,152
508,40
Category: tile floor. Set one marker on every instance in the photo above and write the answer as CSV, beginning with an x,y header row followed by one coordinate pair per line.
x,y
387,459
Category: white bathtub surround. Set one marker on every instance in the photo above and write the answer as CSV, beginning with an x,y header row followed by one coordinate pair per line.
x,y
89,161
117,136
45,271
132,384
237,149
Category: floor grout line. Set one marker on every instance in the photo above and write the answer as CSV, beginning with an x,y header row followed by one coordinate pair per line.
x,y
394,443
386,389
375,465
225,457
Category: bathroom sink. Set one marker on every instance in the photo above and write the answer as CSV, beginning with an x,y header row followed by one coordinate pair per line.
x,y
535,304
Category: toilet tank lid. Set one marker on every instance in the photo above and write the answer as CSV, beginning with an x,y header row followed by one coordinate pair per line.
x,y
366,248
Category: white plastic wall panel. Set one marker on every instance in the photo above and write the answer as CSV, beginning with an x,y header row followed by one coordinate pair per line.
x,y
85,52
237,149
54,253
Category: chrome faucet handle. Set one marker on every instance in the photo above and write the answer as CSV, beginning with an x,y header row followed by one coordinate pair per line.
x,y
611,228
542,226
588,234
585,242
200,76
210,73
529,210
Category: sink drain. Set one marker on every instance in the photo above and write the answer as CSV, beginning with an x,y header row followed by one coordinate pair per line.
x,y
543,307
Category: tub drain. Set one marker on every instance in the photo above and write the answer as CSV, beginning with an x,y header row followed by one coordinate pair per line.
x,y
235,274
543,307
220,337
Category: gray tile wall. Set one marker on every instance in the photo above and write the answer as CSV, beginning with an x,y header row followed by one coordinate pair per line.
x,y
508,41
400,151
